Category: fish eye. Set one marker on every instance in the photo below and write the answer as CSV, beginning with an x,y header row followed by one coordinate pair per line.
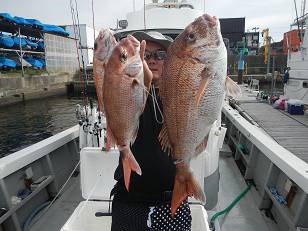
x,y
191,37
123,56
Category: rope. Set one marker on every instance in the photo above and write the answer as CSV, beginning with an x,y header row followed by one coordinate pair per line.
x,y
91,193
154,99
56,197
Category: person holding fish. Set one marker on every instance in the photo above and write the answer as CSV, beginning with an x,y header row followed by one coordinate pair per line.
x,y
157,136
145,203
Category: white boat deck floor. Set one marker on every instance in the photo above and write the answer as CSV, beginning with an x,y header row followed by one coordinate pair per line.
x,y
244,216
61,210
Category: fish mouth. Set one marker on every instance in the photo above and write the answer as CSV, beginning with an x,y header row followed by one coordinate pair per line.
x,y
104,44
213,40
212,21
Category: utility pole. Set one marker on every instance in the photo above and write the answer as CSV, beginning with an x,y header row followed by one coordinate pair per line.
x,y
268,54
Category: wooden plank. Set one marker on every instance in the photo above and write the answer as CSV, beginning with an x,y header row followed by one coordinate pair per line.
x,y
290,131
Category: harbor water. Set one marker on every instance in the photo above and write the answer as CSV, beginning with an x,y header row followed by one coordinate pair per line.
x,y
22,125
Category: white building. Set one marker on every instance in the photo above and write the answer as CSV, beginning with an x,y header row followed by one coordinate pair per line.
x,y
86,39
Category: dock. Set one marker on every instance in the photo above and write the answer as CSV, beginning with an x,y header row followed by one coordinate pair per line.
x,y
290,131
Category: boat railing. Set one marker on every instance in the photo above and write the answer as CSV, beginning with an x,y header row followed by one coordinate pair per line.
x,y
22,158
35,174
295,168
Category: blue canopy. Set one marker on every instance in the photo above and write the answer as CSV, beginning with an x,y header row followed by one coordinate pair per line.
x,y
34,62
5,62
54,29
21,21
6,41
26,25
35,23
7,17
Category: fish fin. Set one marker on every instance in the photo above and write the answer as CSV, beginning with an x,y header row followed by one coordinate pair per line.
x,y
145,97
135,134
164,139
98,76
129,164
185,185
232,88
201,147
202,86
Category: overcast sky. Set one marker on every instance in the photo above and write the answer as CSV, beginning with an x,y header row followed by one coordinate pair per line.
x,y
274,14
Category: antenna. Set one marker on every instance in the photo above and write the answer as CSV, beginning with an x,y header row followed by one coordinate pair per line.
x,y
303,7
144,15
93,20
299,33
204,6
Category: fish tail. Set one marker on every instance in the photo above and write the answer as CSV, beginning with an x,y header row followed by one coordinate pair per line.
x,y
185,185
129,164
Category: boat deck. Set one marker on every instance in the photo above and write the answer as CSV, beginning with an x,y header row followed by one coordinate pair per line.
x,y
245,216
290,131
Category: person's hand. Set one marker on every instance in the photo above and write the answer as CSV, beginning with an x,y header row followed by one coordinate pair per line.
x,y
148,75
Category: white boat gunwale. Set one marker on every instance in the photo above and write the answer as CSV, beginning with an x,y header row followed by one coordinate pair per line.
x,y
17,160
291,165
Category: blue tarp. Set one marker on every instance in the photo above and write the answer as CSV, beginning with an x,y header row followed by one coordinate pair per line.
x,y
34,62
6,41
16,41
7,62
35,23
22,21
40,45
33,45
54,29
42,61
7,17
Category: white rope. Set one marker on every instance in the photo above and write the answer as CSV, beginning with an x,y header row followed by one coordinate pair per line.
x,y
154,99
91,193
56,197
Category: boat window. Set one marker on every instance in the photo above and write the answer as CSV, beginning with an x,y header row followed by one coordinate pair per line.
x,y
305,84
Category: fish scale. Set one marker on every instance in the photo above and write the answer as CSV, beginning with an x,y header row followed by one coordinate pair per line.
x,y
124,99
192,91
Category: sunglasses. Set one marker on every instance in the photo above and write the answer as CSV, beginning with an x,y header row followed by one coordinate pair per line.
x,y
157,55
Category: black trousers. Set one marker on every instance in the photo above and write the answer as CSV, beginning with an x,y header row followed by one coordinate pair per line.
x,y
137,216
